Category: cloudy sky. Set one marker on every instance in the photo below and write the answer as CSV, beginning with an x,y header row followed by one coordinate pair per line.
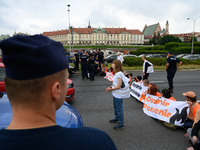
x,y
37,16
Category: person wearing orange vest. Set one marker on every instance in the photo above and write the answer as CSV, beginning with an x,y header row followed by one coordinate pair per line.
x,y
166,94
194,114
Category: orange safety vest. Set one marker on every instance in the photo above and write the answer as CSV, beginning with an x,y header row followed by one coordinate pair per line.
x,y
158,94
171,98
195,110
106,69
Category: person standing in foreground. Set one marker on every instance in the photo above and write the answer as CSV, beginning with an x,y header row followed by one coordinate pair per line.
x,y
119,57
147,68
36,87
120,89
171,68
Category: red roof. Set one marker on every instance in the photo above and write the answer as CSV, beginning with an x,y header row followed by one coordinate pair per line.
x,y
89,31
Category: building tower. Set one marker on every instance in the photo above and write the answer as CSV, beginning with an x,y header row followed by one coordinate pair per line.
x,y
167,27
89,26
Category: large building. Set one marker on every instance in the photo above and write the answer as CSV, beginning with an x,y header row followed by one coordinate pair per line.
x,y
97,36
155,29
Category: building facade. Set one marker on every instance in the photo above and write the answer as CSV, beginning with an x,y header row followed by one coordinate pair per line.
x,y
97,36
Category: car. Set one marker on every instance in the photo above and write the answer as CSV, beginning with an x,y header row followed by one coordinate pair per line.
x,y
70,91
192,57
181,55
130,56
155,56
71,70
66,116
110,59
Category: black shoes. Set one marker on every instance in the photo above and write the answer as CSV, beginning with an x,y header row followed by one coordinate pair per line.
x,y
114,121
170,90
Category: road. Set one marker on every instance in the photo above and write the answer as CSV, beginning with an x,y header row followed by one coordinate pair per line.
x,y
141,131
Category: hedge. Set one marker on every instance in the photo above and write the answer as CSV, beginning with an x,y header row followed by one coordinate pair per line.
x,y
137,61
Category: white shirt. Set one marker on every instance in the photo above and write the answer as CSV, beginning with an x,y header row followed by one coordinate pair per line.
x,y
120,58
122,92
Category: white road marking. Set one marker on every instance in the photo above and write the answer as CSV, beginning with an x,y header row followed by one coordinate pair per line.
x,y
156,81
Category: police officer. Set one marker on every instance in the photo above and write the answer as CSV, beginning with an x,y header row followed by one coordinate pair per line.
x,y
171,68
91,64
76,60
100,57
83,60
88,56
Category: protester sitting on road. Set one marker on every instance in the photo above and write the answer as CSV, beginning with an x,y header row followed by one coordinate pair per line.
x,y
194,135
120,90
104,70
146,82
132,79
194,113
153,90
139,79
112,70
36,87
167,94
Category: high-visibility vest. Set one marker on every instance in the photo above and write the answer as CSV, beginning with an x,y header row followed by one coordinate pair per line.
x,y
195,110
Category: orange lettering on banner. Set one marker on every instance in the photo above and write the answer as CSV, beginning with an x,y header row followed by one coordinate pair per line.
x,y
143,96
163,113
157,101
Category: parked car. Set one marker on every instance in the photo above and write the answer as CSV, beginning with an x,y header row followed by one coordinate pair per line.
x,y
130,56
154,56
71,69
110,59
70,91
66,115
192,57
181,55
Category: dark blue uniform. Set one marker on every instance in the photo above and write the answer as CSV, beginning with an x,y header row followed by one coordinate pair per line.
x,y
100,58
84,65
171,70
77,61
91,64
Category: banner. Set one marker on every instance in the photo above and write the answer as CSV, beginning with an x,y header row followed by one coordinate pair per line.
x,y
109,76
174,112
138,91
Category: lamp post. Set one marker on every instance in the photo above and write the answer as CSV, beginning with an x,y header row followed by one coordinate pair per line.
x,y
192,51
69,28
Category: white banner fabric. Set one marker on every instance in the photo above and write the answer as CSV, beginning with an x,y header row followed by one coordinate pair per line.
x,y
174,112
137,90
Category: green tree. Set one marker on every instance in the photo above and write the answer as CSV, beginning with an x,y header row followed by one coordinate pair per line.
x,y
168,38
195,39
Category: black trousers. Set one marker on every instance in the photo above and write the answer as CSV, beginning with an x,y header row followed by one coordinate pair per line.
x,y
146,76
76,65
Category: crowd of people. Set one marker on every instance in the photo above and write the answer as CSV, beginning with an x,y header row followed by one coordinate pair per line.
x,y
192,124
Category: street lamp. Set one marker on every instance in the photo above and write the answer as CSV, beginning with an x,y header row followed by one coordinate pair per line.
x,y
69,28
192,51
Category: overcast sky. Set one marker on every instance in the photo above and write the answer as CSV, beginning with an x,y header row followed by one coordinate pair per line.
x,y
37,16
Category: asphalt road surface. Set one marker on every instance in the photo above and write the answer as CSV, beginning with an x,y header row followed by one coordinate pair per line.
x,y
141,131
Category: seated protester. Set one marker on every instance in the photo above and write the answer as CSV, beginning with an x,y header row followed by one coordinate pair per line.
x,y
132,79
104,70
146,83
139,79
112,70
166,94
194,136
194,113
154,91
